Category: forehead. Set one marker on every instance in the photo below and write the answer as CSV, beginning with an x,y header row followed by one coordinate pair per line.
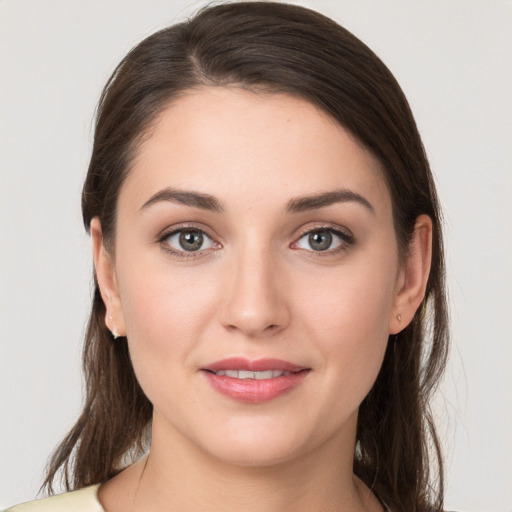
x,y
242,145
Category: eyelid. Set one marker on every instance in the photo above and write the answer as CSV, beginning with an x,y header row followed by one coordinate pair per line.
x,y
346,236
341,230
173,230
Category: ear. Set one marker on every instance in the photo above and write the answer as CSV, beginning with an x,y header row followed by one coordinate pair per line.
x,y
107,282
413,276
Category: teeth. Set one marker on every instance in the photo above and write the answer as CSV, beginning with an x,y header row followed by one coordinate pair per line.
x,y
246,374
268,374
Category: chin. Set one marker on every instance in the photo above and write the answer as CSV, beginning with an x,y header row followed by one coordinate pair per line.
x,y
255,454
258,443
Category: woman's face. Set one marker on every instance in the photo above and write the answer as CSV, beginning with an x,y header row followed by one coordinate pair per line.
x,y
254,234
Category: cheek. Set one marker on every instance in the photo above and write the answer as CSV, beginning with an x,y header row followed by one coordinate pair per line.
x,y
354,302
349,318
165,311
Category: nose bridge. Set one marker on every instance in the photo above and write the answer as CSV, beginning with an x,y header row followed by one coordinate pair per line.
x,y
254,301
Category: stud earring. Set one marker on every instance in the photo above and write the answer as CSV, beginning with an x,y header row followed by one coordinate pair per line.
x,y
399,317
114,330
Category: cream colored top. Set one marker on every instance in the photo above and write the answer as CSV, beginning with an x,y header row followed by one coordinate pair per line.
x,y
83,500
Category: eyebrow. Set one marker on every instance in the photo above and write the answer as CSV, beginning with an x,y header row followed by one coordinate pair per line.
x,y
187,198
295,205
317,201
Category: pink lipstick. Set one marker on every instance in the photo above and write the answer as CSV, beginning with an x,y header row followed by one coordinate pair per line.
x,y
254,381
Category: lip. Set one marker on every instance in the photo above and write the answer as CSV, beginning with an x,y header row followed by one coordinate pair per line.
x,y
254,391
258,365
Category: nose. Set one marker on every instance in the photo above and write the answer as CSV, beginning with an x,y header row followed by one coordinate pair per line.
x,y
255,302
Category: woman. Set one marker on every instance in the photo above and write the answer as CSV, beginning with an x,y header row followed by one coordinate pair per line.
x,y
269,316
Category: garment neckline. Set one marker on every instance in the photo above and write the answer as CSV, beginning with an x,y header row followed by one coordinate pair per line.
x,y
95,488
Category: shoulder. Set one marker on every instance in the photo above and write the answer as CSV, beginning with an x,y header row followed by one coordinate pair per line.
x,y
83,500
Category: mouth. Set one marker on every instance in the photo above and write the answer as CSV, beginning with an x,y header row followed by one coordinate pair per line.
x,y
241,365
247,374
256,381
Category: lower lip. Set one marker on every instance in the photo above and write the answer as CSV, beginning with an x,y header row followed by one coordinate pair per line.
x,y
254,391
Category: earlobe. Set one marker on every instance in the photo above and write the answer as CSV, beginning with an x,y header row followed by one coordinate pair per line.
x,y
106,277
414,276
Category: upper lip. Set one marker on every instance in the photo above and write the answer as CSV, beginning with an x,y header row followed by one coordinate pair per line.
x,y
258,365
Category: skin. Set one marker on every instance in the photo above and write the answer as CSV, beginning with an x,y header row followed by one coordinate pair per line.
x,y
255,289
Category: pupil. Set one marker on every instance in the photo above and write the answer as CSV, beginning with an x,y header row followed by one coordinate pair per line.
x,y
191,240
320,240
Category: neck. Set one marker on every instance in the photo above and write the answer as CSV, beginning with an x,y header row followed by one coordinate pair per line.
x,y
180,476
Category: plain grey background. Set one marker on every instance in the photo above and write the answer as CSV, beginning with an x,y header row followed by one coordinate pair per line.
x,y
453,60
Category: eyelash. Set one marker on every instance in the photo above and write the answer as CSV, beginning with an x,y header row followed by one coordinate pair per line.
x,y
184,254
346,237
347,240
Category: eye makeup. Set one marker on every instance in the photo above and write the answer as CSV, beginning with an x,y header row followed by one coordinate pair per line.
x,y
194,241
324,240
190,240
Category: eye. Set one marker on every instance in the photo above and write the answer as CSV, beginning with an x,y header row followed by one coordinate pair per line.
x,y
189,240
322,240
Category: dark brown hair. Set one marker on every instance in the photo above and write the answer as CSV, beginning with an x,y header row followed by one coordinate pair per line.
x,y
265,46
